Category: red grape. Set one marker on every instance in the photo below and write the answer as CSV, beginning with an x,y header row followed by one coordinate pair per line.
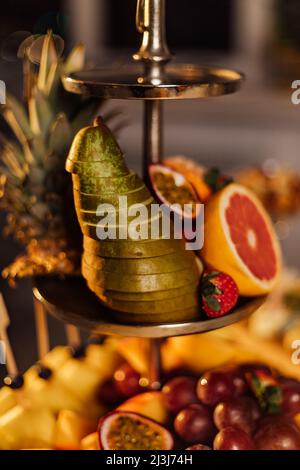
x,y
252,367
291,399
240,383
215,386
277,435
199,447
253,406
233,439
179,393
108,394
127,381
236,413
195,424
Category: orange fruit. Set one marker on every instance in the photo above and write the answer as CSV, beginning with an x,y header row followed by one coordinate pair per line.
x,y
239,240
193,172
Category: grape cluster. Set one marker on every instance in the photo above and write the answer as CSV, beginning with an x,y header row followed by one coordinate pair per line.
x,y
220,411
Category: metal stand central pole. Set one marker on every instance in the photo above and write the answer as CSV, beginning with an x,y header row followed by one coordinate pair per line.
x,y
155,364
154,53
153,139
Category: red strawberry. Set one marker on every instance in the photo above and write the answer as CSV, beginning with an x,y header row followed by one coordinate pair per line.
x,y
219,293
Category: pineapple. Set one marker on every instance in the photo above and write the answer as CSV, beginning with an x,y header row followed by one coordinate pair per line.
x,y
34,186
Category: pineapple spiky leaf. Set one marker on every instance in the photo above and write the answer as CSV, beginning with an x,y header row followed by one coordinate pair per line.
x,y
61,134
75,60
49,56
16,117
40,113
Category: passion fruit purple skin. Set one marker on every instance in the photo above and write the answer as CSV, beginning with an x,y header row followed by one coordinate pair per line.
x,y
198,447
105,420
180,180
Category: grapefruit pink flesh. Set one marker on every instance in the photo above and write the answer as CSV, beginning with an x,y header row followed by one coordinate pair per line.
x,y
239,240
251,237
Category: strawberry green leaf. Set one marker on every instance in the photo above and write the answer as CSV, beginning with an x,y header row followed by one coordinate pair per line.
x,y
213,303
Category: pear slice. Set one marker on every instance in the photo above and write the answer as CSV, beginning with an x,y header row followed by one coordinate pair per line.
x,y
100,185
146,296
132,249
156,265
141,283
156,307
90,202
89,205
101,169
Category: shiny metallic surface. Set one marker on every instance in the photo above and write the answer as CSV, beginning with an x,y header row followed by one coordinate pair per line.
x,y
72,302
153,136
180,82
151,22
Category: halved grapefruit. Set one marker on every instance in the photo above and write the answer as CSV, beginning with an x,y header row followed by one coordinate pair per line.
x,y
240,240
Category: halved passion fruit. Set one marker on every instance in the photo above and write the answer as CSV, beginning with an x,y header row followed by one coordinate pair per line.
x,y
171,187
124,430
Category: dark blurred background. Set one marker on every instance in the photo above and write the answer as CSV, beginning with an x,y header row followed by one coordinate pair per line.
x,y
259,37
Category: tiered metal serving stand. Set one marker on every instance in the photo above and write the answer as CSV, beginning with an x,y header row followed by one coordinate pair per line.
x,y
153,80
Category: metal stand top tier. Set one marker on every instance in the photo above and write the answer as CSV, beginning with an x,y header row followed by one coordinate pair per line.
x,y
153,80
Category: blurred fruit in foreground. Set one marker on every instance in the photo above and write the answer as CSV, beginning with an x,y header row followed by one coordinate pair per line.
x,y
122,430
195,424
108,393
236,413
179,393
70,429
215,386
240,240
278,435
149,404
219,293
233,439
278,189
127,381
206,351
90,442
291,398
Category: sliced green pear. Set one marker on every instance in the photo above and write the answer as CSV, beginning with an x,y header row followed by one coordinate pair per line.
x,y
140,283
146,296
100,185
156,307
91,201
132,249
158,264
136,228
99,169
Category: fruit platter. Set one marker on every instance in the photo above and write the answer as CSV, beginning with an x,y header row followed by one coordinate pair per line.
x,y
162,272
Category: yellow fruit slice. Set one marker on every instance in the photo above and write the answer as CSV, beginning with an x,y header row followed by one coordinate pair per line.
x,y
149,404
239,240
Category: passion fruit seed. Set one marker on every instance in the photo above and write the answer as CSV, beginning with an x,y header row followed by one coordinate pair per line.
x,y
134,434
172,193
